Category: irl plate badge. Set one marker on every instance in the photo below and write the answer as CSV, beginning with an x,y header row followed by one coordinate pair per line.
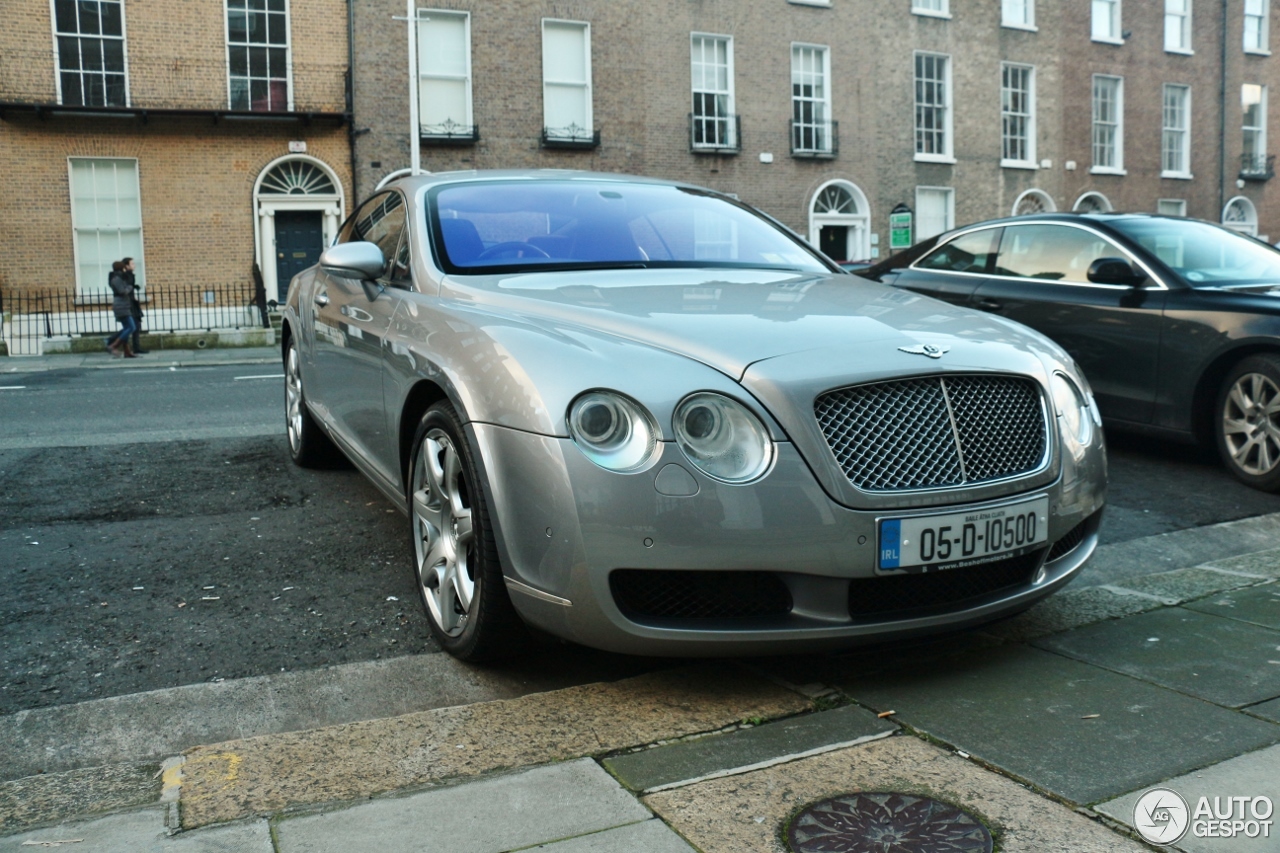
x,y
926,349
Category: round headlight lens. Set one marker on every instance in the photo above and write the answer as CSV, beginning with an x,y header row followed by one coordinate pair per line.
x,y
722,438
613,431
1073,409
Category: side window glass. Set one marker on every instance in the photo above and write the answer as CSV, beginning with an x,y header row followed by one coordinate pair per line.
x,y
381,220
967,253
398,267
1052,252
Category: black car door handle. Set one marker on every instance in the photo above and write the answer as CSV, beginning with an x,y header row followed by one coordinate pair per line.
x,y
986,304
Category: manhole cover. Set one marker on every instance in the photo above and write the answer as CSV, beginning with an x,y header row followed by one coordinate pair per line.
x,y
886,823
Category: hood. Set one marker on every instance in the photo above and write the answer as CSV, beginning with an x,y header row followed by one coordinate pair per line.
x,y
731,319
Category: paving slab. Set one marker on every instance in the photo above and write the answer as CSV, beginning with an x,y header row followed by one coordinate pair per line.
x,y
1187,584
1256,774
1265,563
54,796
487,816
750,812
142,832
1257,604
771,743
1069,609
1080,731
1266,710
1221,660
261,775
651,836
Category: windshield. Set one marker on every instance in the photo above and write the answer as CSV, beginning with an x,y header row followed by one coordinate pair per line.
x,y
1204,255
514,226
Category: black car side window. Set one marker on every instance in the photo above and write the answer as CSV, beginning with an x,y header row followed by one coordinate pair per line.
x,y
1052,252
970,252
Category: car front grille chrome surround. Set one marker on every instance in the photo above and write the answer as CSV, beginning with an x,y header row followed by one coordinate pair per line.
x,y
936,431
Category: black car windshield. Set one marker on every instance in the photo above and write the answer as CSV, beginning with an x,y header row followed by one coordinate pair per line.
x,y
1204,255
513,226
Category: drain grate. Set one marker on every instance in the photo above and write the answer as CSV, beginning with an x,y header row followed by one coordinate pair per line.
x,y
886,823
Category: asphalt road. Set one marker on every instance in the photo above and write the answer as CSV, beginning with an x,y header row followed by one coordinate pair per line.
x,y
153,533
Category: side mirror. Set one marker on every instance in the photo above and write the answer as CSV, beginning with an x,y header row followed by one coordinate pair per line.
x,y
1114,271
359,260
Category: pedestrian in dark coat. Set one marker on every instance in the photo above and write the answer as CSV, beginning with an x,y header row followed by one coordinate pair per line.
x,y
129,276
122,307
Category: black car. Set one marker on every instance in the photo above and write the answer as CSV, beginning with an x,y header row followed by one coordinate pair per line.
x,y
1175,322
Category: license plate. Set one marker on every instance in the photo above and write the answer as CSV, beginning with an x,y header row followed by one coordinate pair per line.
x,y
928,543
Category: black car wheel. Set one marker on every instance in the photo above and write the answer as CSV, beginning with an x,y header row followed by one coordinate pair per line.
x,y
309,447
1248,422
455,558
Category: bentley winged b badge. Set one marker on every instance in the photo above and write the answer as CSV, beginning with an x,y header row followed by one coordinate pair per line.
x,y
926,349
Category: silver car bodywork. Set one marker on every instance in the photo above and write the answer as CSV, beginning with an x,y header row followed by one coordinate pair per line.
x,y
513,351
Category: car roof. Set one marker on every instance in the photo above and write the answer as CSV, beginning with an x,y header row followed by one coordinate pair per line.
x,y
413,183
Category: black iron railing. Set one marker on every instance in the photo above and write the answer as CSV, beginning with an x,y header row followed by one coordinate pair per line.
x,y
450,133
715,134
48,313
572,136
1257,167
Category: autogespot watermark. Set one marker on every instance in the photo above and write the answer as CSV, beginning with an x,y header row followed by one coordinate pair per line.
x,y
1162,816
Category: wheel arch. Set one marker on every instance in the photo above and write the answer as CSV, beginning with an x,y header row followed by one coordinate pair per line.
x,y
1209,384
423,395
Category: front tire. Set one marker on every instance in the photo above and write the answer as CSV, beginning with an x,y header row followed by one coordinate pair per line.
x,y
309,447
455,557
1247,422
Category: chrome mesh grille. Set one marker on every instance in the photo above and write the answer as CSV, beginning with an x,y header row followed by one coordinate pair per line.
x,y
934,431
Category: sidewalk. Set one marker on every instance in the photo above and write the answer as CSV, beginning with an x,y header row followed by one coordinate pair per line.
x,y
1045,727
155,358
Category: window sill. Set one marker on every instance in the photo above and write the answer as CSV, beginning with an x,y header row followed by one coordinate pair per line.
x,y
1100,40
826,4
1106,170
1029,165
936,158
1249,51
1180,51
1026,28
1177,176
929,13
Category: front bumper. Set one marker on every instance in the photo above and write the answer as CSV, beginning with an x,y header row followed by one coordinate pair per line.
x,y
565,525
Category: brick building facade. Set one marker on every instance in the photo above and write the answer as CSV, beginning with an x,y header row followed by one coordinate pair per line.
x,y
1026,64
171,133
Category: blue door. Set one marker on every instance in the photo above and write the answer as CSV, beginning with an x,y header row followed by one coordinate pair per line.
x,y
299,242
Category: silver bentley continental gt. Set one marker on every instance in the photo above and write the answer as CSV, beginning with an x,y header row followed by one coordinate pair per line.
x,y
644,417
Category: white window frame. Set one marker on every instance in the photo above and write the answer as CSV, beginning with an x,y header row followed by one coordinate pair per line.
x,y
730,116
947,155
1259,130
931,8
1177,27
1182,140
1029,117
57,61
949,216
1018,14
99,286
824,122
1106,21
1117,139
1262,16
288,52
587,86
1179,203
468,123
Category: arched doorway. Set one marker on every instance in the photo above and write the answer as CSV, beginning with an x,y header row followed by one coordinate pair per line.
x,y
1032,202
298,204
838,222
1240,215
1092,203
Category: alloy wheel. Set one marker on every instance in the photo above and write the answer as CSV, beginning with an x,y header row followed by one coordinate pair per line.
x,y
1251,424
293,400
444,534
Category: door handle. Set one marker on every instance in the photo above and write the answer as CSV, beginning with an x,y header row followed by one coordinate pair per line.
x,y
321,299
986,304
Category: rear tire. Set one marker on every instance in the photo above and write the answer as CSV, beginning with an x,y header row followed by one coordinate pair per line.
x,y
1246,422
309,447
455,556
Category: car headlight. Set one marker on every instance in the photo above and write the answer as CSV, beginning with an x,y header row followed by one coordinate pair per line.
x,y
1074,409
722,438
613,431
